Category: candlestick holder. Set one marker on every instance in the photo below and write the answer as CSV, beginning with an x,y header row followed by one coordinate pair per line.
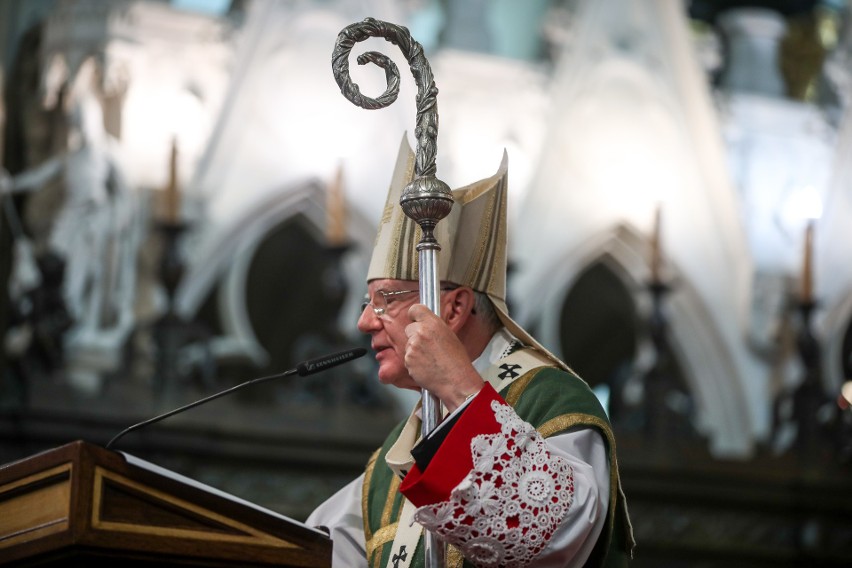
x,y
809,397
168,328
669,406
656,378
171,267
172,332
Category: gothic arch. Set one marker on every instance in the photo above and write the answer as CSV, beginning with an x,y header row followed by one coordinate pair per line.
x,y
226,257
710,373
608,337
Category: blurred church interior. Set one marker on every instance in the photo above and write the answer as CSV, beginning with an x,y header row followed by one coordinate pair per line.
x,y
188,203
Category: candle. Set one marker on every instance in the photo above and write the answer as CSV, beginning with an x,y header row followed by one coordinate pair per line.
x,y
656,249
335,211
807,291
172,193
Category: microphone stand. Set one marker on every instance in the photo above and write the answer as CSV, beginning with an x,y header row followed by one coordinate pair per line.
x,y
165,415
302,369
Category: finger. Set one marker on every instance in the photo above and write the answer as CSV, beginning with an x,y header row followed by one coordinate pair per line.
x,y
419,312
411,329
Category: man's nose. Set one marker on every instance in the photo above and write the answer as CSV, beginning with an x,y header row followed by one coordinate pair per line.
x,y
368,320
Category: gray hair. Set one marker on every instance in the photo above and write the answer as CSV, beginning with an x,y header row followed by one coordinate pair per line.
x,y
484,310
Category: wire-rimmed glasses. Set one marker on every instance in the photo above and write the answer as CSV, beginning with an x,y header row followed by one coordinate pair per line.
x,y
380,300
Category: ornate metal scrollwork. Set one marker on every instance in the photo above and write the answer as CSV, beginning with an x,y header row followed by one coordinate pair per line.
x,y
427,199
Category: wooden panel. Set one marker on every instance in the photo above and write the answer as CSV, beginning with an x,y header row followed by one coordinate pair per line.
x,y
166,515
80,501
35,506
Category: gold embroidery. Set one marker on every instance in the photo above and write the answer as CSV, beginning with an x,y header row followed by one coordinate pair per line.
x,y
372,559
368,474
395,256
411,257
566,421
454,557
495,216
409,170
480,254
388,531
392,493
517,388
409,261
392,262
500,246
383,536
387,215
488,264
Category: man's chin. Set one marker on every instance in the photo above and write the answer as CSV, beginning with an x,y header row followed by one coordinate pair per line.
x,y
392,376
388,376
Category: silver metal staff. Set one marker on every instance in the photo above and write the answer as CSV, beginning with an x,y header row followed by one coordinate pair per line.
x,y
426,200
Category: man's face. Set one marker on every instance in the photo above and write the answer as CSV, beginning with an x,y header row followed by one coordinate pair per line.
x,y
388,330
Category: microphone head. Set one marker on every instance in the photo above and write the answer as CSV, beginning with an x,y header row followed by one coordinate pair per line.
x,y
328,361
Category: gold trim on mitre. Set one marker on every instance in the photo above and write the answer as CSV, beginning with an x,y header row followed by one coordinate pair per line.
x,y
395,251
479,235
479,257
473,239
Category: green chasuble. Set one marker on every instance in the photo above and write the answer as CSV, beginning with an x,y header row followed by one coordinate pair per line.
x,y
554,402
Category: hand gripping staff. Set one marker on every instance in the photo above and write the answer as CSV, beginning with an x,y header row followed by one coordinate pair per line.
x,y
426,200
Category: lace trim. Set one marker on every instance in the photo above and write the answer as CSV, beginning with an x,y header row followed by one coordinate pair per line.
x,y
507,508
513,346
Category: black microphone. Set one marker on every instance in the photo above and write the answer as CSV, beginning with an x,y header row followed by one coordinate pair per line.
x,y
304,368
322,363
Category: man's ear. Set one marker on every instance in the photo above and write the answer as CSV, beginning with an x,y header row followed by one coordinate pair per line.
x,y
457,307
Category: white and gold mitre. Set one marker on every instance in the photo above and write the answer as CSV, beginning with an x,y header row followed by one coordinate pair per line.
x,y
473,240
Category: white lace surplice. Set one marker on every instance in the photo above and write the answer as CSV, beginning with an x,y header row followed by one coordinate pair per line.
x,y
570,544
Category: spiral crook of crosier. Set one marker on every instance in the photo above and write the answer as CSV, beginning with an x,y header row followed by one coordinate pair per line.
x,y
426,130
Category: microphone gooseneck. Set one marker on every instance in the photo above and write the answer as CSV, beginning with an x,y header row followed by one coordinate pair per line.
x,y
303,369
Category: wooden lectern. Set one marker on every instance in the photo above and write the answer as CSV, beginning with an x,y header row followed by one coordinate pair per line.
x,y
82,505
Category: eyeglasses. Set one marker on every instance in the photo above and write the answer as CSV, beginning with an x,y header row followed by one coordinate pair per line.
x,y
381,299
